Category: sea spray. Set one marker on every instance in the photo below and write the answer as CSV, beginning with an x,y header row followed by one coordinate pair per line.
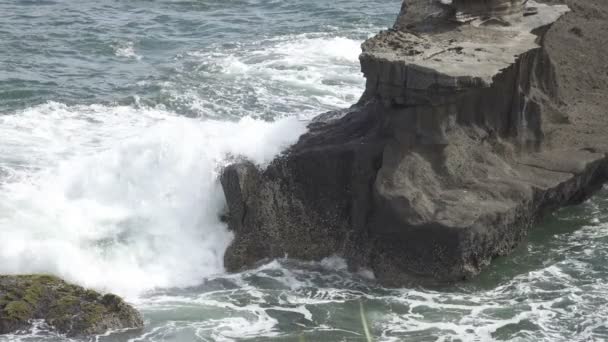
x,y
125,211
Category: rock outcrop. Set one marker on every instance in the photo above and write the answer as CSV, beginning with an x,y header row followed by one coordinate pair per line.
x,y
70,309
440,167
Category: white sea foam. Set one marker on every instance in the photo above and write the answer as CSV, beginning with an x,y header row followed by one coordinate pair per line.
x,y
305,74
119,198
126,50
335,263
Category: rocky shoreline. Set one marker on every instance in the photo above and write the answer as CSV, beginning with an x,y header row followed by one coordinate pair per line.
x,y
462,139
69,309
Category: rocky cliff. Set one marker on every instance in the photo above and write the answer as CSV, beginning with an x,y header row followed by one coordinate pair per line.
x,y
441,166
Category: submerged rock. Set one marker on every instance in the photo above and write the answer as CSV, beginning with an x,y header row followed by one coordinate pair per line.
x,y
440,167
70,309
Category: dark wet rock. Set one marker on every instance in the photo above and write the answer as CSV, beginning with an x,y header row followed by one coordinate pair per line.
x,y
70,309
442,165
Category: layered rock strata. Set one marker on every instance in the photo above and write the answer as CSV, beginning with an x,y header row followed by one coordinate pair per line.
x,y
440,167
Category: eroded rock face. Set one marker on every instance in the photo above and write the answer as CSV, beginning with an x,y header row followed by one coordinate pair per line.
x,y
483,9
439,167
429,15
70,309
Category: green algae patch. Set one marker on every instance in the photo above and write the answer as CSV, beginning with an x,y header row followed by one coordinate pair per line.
x,y
18,310
70,309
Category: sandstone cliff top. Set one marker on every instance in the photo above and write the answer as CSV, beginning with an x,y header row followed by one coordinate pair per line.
x,y
467,54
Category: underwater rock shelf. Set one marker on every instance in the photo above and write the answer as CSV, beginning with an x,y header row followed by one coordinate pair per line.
x,y
440,167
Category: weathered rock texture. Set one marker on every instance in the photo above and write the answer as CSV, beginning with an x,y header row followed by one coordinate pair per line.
x,y
442,165
70,309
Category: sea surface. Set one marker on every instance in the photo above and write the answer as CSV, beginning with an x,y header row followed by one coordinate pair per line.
x,y
115,119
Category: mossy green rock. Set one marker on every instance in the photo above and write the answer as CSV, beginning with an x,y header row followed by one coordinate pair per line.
x,y
70,309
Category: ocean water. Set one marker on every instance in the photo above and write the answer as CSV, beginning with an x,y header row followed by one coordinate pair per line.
x,y
115,119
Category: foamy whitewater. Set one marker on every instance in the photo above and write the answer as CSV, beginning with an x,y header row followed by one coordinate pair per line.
x,y
123,199
115,121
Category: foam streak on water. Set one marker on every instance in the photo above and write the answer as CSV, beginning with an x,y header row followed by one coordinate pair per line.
x,y
303,74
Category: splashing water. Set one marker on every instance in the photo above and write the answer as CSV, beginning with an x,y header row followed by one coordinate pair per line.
x,y
127,215
116,118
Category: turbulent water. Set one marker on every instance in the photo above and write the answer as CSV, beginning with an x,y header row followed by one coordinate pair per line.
x,y
115,118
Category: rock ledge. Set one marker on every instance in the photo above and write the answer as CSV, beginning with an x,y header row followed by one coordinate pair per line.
x,y
70,309
440,167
